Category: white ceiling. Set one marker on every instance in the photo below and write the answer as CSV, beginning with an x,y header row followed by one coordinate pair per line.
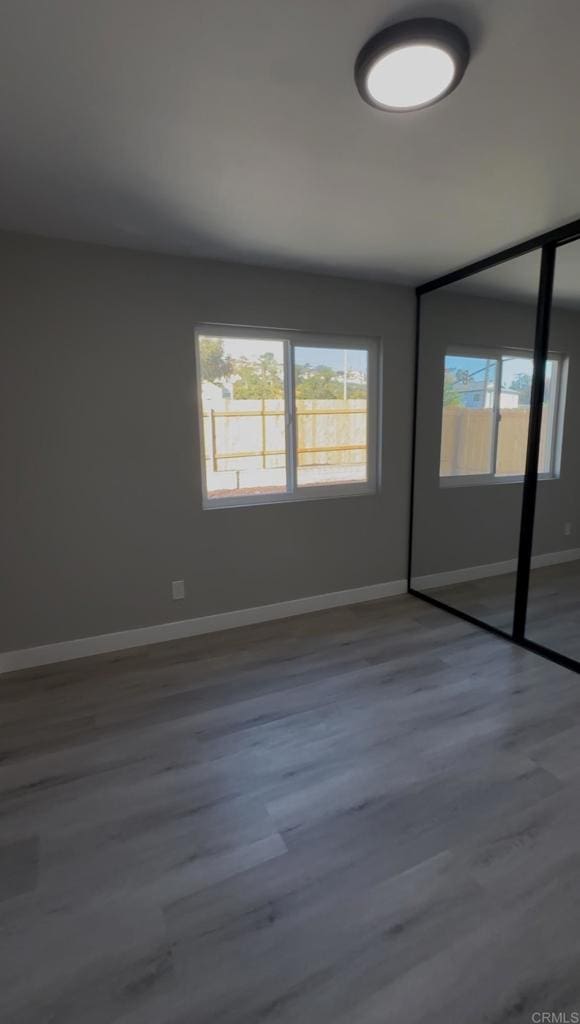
x,y
233,129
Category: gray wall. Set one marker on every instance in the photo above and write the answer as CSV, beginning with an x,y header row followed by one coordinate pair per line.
x,y
465,526
100,464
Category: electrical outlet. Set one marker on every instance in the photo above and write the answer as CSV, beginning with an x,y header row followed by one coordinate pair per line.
x,y
178,590
567,529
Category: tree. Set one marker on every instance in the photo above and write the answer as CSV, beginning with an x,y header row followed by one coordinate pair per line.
x,y
522,383
317,382
324,382
215,364
261,378
355,390
450,395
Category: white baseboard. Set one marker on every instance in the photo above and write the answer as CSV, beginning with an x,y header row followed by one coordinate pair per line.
x,y
480,572
66,650
555,558
472,572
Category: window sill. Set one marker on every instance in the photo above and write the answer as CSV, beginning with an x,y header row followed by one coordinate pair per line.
x,y
487,481
314,494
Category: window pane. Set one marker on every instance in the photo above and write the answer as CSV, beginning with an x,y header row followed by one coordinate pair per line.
x,y
469,397
331,415
244,426
516,387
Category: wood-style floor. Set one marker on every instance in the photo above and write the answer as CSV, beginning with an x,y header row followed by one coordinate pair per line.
x,y
363,816
553,617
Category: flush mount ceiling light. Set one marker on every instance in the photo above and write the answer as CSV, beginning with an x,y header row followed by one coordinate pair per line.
x,y
412,64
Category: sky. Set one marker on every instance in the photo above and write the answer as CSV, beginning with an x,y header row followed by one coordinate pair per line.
x,y
511,367
356,359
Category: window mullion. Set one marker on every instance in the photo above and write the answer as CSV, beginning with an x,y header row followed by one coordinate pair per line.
x,y
496,415
291,428
553,416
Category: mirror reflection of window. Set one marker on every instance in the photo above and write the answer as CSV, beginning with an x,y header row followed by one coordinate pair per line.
x,y
486,416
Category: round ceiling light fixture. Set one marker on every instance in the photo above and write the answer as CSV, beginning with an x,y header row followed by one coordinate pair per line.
x,y
412,64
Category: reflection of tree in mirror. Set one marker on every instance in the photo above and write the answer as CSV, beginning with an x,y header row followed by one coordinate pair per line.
x,y
450,394
522,383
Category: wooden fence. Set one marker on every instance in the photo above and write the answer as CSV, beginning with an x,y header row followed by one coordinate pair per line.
x,y
250,433
466,441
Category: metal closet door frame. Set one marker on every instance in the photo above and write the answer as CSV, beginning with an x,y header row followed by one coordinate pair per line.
x,y
548,243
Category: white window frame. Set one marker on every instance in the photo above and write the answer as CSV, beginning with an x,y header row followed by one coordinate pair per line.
x,y
293,339
555,427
